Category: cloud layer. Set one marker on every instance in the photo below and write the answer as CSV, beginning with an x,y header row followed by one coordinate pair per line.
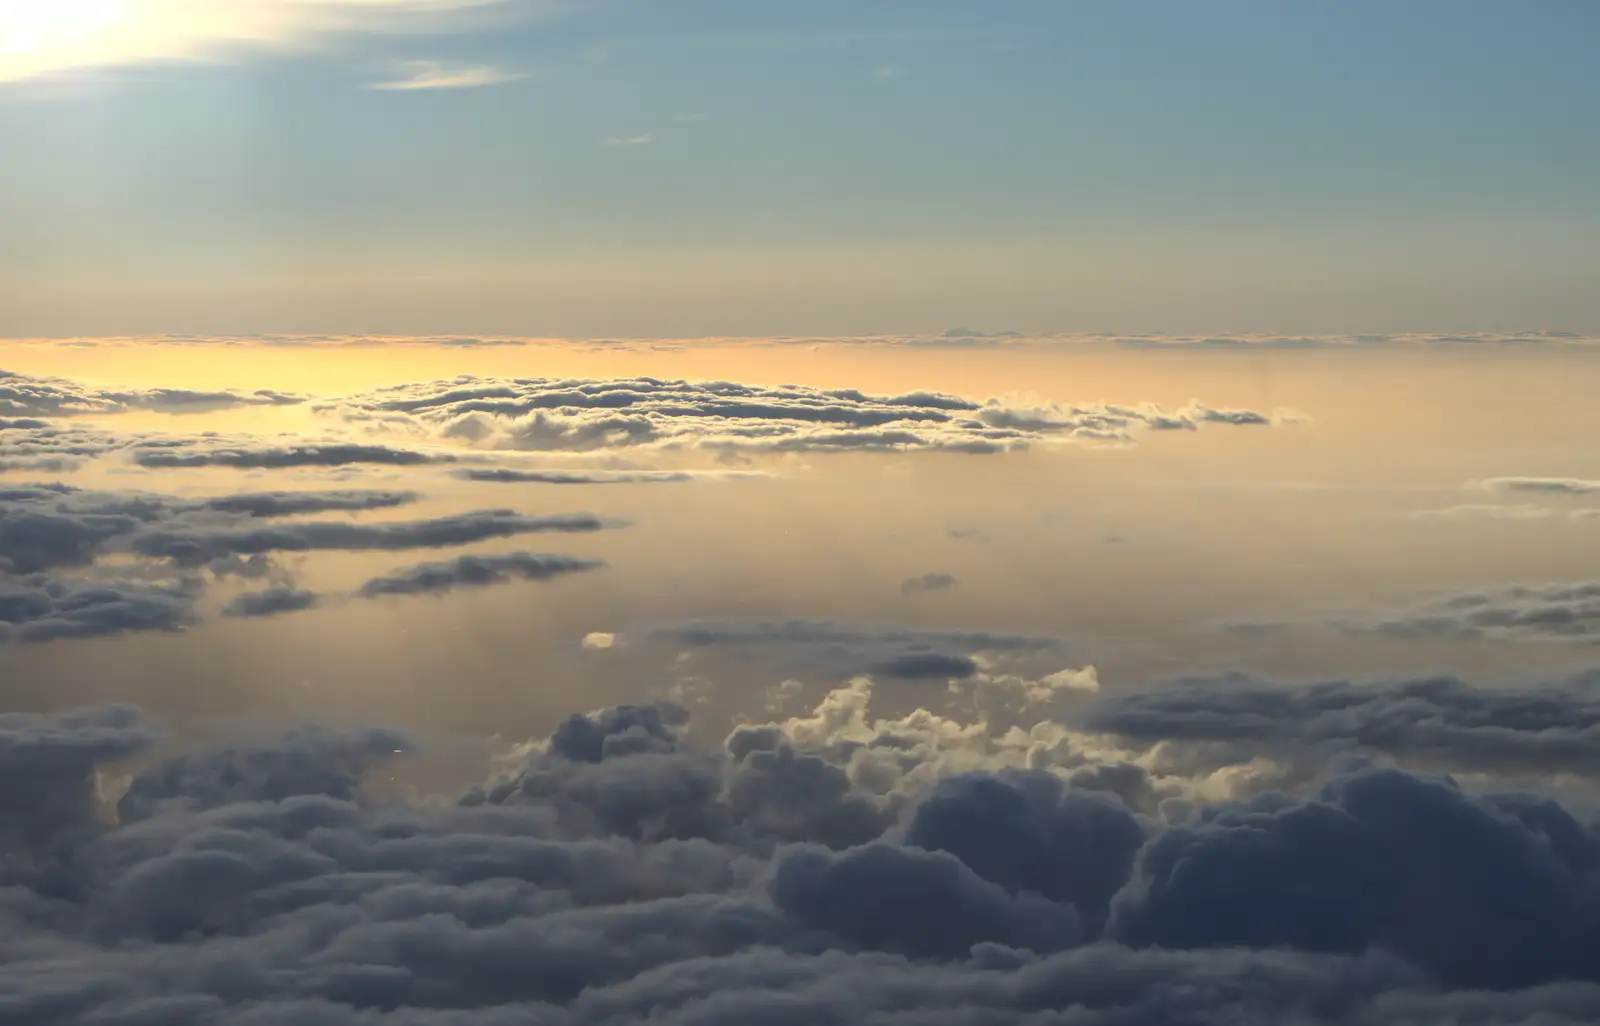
x,y
590,415
78,563
1539,612
32,397
827,868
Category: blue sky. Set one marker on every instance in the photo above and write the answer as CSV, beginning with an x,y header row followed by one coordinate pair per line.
x,y
707,167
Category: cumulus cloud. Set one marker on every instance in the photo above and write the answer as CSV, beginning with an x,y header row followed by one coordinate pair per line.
x,y
1441,722
53,446
32,397
476,572
1559,612
590,415
37,608
829,868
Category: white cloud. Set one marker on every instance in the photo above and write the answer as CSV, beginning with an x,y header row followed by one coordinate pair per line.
x,y
631,140
43,37
437,75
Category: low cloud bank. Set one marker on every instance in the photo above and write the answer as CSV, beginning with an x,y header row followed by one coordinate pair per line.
x,y
832,867
595,415
1566,612
24,396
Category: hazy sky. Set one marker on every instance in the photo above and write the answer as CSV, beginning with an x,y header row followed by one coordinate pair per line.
x,y
718,167
849,512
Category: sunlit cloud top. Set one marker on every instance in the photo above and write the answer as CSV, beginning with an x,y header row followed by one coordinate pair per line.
x,y
43,37
437,75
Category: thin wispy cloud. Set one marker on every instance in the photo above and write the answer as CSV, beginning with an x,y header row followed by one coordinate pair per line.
x,y
437,75
631,140
888,71
47,37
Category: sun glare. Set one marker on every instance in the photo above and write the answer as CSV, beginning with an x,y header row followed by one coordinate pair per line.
x,y
33,26
41,35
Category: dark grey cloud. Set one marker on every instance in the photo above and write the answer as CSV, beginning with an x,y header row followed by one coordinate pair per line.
x,y
937,581
31,397
1543,485
271,602
199,545
583,415
475,571
279,457
501,475
1541,612
284,504
1440,722
38,608
923,665
43,526
1486,893
621,875
64,571
836,651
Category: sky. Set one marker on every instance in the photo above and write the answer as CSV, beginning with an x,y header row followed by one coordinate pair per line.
x,y
707,167
694,513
